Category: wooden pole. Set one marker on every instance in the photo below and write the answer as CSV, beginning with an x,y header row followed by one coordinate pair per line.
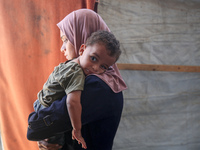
x,y
152,67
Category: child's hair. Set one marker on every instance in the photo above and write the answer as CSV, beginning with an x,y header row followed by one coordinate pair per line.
x,y
108,40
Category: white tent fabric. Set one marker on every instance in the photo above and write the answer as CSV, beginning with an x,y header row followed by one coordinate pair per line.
x,y
161,109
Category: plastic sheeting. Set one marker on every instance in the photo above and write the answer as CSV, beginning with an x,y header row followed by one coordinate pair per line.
x,y
29,50
161,109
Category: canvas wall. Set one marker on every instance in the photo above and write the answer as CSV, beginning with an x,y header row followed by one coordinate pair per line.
x,y
161,109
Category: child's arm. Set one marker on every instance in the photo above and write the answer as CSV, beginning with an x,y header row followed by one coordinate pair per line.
x,y
75,109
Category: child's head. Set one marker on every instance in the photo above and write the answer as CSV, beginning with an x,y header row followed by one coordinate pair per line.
x,y
100,52
108,40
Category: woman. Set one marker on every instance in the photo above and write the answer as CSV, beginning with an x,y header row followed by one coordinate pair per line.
x,y
77,27
102,99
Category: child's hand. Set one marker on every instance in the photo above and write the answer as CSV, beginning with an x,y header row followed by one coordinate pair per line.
x,y
76,134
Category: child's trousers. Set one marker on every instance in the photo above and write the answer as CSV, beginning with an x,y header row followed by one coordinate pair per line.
x,y
57,139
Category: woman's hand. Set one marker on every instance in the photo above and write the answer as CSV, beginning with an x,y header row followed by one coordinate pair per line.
x,y
44,145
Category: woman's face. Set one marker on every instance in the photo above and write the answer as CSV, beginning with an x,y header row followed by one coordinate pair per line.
x,y
67,48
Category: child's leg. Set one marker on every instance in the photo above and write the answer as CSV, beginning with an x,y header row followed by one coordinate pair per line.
x,y
38,106
57,139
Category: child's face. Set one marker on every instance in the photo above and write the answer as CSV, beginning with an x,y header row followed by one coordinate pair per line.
x,y
95,59
67,48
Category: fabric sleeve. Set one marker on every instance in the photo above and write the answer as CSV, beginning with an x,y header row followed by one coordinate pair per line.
x,y
71,78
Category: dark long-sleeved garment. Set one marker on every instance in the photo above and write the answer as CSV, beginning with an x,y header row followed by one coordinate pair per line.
x,y
101,113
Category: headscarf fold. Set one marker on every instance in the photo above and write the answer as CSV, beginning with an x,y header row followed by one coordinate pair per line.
x,y
78,26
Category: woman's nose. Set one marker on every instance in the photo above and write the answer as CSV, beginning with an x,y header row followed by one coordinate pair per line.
x,y
63,47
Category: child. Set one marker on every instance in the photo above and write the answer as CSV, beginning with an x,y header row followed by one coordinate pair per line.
x,y
100,51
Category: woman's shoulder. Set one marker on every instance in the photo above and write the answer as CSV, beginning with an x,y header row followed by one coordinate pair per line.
x,y
99,99
96,86
95,81
93,78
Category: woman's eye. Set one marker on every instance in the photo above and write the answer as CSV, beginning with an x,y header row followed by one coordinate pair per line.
x,y
65,41
93,58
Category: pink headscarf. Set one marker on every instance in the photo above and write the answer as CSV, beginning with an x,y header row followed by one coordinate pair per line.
x,y
78,26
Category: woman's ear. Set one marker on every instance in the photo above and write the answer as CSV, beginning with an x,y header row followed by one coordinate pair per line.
x,y
82,48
